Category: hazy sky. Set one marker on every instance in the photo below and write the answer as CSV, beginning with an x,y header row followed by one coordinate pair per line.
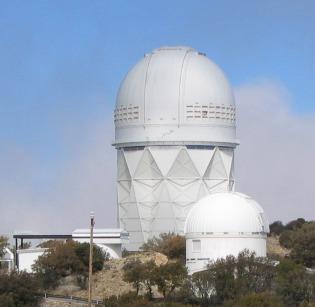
x,y
61,63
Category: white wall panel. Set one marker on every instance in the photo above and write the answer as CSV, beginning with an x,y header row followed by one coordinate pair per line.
x,y
165,156
183,167
201,159
214,248
132,160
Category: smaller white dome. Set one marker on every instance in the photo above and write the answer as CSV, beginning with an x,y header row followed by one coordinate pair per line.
x,y
228,213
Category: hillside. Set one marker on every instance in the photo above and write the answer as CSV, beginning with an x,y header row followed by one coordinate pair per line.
x,y
110,280
274,247
105,283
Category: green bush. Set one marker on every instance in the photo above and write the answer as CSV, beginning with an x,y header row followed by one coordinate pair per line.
x,y
286,238
19,289
295,224
293,283
276,228
6,300
169,244
3,244
300,238
67,258
263,299
303,249
129,299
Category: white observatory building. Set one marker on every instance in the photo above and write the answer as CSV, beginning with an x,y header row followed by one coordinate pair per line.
x,y
175,140
221,224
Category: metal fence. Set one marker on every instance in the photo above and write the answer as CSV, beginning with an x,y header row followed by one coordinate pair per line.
x,y
70,298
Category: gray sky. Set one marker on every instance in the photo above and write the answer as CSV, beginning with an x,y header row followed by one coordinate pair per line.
x,y
61,64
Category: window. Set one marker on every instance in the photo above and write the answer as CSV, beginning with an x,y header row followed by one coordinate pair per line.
x,y
134,148
205,147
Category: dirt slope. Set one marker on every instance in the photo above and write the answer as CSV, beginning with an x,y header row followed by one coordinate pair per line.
x,y
105,283
274,247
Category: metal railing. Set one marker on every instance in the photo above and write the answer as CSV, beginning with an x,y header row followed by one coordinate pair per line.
x,y
70,298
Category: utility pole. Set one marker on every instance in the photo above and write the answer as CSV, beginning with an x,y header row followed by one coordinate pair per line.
x,y
91,259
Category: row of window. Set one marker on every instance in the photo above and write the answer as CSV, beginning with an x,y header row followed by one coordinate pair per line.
x,y
211,111
193,112
134,148
196,244
126,114
202,147
194,259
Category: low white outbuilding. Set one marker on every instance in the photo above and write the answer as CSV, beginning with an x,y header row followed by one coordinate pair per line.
x,y
110,240
223,224
7,260
27,258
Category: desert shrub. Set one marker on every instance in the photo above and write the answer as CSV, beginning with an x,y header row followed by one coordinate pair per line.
x,y
129,299
256,300
6,300
170,244
301,240
170,276
286,238
303,247
82,250
19,289
293,283
111,301
67,258
133,273
276,228
295,224
3,244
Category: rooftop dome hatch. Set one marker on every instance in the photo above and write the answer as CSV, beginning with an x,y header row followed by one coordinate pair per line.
x,y
175,95
172,48
226,212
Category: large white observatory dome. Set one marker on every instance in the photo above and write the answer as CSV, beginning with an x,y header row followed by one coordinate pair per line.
x,y
222,224
175,95
175,140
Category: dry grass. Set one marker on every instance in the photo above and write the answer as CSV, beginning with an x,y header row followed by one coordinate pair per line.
x,y
274,248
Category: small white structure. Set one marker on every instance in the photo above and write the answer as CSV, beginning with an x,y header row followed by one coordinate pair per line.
x,y
8,259
27,257
222,224
110,240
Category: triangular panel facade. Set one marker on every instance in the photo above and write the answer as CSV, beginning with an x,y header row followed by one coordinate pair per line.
x,y
157,187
